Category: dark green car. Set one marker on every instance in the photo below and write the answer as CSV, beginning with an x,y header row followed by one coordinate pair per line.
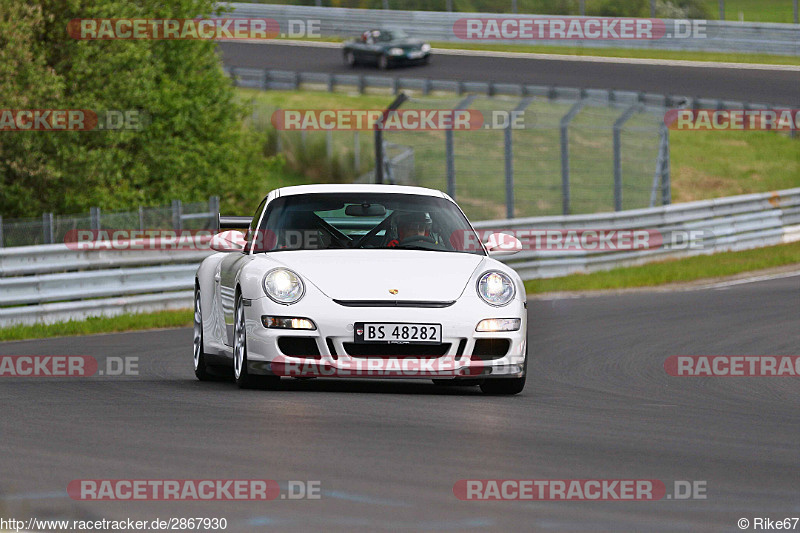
x,y
386,48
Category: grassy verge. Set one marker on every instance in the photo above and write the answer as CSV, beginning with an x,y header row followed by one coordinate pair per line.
x,y
674,271
128,322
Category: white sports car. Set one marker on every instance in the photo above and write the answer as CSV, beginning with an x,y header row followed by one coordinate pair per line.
x,y
360,281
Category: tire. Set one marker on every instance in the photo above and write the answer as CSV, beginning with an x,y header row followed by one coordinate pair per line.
x,y
383,62
200,367
243,378
350,58
506,387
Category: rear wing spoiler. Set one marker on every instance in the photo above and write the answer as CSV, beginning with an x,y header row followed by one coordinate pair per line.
x,y
233,222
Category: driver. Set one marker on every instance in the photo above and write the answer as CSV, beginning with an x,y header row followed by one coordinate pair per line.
x,y
412,227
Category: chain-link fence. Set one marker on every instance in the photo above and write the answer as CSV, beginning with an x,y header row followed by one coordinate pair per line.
x,y
50,228
566,154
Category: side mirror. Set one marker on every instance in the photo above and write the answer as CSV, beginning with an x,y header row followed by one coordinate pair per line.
x,y
502,244
228,241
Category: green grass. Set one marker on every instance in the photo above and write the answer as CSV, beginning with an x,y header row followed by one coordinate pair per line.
x,y
90,326
674,271
713,164
754,10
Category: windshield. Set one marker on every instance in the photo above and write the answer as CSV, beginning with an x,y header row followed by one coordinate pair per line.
x,y
364,221
390,35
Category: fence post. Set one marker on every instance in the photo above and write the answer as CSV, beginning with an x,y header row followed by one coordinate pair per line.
x,y
509,157
582,4
666,182
94,218
1,231
213,207
796,12
565,120
356,151
618,124
329,145
449,5
177,212
47,228
378,127
141,218
449,149
514,6
652,9
721,9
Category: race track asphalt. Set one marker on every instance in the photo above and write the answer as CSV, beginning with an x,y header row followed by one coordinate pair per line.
x,y
778,87
598,405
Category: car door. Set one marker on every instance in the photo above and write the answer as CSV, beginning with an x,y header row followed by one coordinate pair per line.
x,y
228,274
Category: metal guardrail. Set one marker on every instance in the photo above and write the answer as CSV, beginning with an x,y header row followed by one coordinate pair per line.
x,y
51,283
721,36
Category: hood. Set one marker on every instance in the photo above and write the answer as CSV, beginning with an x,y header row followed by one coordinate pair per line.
x,y
370,274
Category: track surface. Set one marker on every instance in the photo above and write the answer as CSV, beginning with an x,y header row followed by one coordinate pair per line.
x,y
777,87
598,405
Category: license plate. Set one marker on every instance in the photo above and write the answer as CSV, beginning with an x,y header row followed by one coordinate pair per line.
x,y
391,332
415,55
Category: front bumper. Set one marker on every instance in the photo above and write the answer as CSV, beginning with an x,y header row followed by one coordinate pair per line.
x,y
336,355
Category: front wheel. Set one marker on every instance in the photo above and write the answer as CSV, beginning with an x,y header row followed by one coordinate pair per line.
x,y
200,368
508,386
241,375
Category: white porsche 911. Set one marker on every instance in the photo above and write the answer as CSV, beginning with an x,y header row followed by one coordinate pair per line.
x,y
354,281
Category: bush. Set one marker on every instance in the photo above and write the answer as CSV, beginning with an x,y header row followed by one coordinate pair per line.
x,y
193,145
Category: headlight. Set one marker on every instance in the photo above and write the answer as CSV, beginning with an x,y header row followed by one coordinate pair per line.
x,y
496,288
426,47
396,51
283,286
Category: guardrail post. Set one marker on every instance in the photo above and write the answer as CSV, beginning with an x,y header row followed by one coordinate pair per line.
x,y
582,7
330,83
177,212
426,87
721,9
490,88
796,12
361,85
94,218
1,231
449,148
266,79
395,86
47,228
565,120
296,80
652,9
618,124
329,145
